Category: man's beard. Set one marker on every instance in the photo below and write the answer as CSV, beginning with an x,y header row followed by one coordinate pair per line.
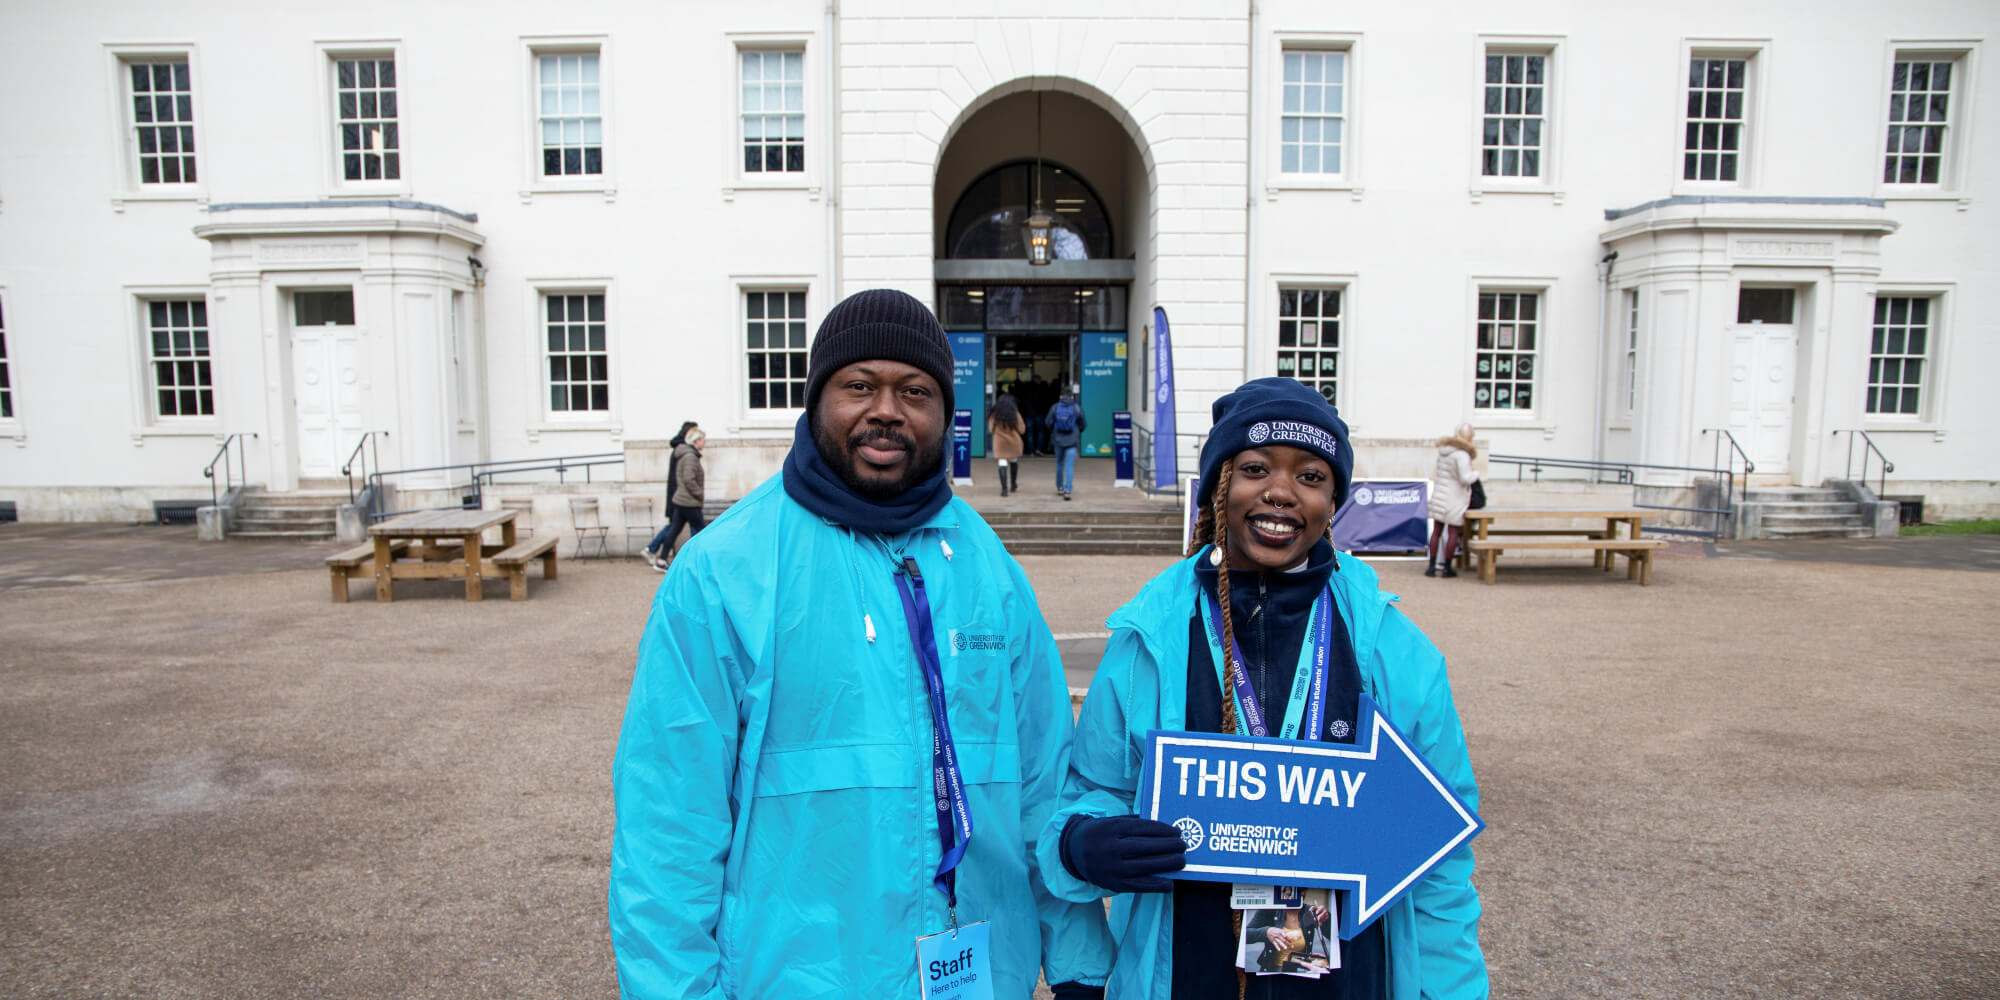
x,y
922,465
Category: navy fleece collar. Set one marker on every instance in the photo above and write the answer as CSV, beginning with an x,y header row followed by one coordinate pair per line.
x,y
811,481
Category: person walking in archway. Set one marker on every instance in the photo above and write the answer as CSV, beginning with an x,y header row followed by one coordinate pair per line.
x,y
1066,423
1006,425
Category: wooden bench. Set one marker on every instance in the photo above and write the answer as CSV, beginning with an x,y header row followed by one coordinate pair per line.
x,y
357,561
513,562
1637,551
1464,556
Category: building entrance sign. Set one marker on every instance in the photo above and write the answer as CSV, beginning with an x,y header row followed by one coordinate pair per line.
x,y
1102,389
968,384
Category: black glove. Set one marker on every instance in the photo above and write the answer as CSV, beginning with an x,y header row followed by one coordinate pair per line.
x,y
1122,853
1076,991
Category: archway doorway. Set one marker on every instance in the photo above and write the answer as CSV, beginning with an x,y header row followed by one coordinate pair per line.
x,y
1028,330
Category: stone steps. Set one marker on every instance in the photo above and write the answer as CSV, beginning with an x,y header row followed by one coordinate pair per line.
x,y
305,515
1086,532
1800,512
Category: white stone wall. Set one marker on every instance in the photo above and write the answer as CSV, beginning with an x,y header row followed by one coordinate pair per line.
x,y
675,231
1172,75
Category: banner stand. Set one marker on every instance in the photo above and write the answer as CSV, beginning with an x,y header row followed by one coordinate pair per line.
x,y
961,447
1384,515
1121,449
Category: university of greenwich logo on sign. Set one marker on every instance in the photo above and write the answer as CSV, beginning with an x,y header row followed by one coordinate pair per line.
x,y
1191,832
1293,432
1363,496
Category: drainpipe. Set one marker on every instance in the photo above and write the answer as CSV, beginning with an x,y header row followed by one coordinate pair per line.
x,y
1604,266
832,189
1251,294
475,345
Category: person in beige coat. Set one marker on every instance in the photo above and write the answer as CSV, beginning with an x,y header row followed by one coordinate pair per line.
x,y
1451,494
1006,425
685,496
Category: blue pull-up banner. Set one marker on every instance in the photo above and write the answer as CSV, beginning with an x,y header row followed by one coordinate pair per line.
x,y
1121,448
1166,464
961,447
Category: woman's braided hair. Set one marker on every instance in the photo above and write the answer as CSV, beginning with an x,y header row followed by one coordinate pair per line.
x,y
1211,527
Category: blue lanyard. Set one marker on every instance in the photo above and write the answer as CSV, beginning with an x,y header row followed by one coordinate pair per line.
x,y
1312,670
954,812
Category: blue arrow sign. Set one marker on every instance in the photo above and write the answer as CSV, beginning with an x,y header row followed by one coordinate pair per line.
x,y
1370,820
1121,438
961,452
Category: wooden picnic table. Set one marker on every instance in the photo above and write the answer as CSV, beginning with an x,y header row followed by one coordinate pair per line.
x,y
1496,529
436,545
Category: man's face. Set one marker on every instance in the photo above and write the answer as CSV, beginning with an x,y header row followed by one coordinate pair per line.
x,y
880,424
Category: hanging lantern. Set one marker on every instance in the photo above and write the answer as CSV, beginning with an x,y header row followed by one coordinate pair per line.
x,y
1041,237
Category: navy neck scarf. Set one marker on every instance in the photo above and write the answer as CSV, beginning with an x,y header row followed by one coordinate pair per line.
x,y
813,483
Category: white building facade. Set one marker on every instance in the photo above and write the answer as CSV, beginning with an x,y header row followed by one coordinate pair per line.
x,y
1594,232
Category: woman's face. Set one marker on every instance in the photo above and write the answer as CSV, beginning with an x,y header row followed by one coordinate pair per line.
x,y
1280,502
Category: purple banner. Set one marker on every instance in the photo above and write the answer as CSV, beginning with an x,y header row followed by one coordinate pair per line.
x,y
1383,515
1166,463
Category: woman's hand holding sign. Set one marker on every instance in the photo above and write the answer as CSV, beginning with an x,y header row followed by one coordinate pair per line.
x,y
1122,853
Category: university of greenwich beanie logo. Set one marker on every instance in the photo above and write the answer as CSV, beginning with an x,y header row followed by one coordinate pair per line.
x,y
1295,432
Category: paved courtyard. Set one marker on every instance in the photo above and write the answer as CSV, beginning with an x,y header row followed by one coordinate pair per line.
x,y
1757,777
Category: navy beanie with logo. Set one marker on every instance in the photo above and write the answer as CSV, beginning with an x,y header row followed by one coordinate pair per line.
x,y
1270,411
880,323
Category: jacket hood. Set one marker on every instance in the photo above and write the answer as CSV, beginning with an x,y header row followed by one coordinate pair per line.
x,y
1451,441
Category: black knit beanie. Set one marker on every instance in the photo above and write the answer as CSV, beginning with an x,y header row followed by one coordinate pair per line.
x,y
879,323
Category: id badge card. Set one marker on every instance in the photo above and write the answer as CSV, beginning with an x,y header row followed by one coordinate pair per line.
x,y
1295,939
1244,896
956,965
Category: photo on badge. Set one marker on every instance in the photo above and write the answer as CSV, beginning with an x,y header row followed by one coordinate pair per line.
x,y
1294,941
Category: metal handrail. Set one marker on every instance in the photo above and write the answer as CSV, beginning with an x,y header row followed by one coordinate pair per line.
x,y
1142,456
367,441
481,475
1881,482
1722,434
228,475
1625,471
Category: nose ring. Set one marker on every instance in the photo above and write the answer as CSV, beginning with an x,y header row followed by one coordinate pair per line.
x,y
1274,503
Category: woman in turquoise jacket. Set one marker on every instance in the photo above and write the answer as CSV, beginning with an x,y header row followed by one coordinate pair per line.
x,y
1274,469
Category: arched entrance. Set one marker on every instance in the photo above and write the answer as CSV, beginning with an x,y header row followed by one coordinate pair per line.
x,y
1027,329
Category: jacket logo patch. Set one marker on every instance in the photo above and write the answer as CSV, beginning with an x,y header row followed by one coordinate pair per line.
x,y
976,641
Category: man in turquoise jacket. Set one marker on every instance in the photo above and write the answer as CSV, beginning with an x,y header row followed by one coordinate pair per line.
x,y
1142,685
849,722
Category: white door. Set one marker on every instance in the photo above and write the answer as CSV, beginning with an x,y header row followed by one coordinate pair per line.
x,y
1762,377
326,380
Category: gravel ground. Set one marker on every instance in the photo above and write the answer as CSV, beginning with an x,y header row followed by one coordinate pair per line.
x,y
1755,777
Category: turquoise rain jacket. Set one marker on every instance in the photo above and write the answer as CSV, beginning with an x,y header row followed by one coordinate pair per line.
x,y
1142,685
776,832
